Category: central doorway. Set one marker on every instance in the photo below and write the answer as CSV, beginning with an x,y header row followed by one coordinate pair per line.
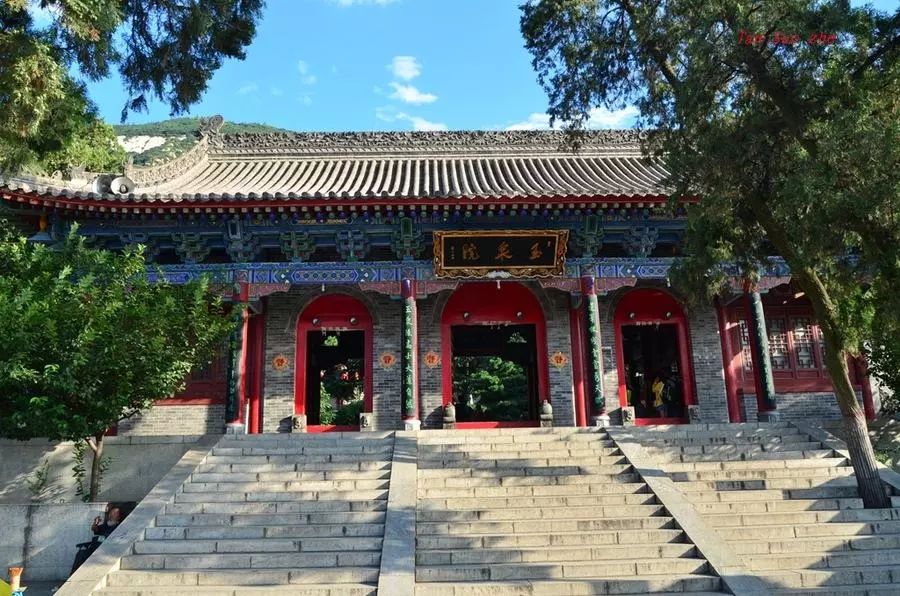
x,y
653,357
494,373
494,346
333,382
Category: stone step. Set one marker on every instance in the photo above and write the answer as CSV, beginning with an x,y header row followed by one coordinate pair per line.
x,y
426,459
864,590
256,497
818,544
285,475
777,506
761,474
761,464
592,569
317,454
465,503
746,495
667,585
824,560
840,484
808,454
337,462
586,512
277,507
803,517
265,545
245,577
283,463
543,526
728,449
628,483
494,481
533,462
338,437
790,531
305,590
304,532
554,554
602,447
596,538
323,560
299,485
508,435
270,519
427,474
855,577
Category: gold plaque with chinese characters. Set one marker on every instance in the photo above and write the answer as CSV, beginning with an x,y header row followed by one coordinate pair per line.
x,y
519,253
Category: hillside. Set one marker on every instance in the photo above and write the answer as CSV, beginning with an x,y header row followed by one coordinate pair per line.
x,y
156,142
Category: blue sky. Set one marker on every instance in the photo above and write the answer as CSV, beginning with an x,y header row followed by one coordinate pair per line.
x,y
335,65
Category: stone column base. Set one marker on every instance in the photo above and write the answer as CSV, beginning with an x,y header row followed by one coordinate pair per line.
x,y
235,428
298,423
601,421
694,414
770,416
412,424
366,420
628,416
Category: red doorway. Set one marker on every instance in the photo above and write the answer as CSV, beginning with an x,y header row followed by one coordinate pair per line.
x,y
497,308
320,328
653,357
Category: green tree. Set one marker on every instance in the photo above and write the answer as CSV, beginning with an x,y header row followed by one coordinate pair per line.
x,y
792,147
490,387
87,340
162,49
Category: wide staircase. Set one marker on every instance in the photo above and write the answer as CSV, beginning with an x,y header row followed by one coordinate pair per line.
x,y
785,503
292,515
543,511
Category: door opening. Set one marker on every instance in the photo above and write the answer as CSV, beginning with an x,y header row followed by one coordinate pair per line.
x,y
495,375
335,378
653,381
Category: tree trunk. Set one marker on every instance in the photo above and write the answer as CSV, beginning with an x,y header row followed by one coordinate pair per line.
x,y
862,456
97,447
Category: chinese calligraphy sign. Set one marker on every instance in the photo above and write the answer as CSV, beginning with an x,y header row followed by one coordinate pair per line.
x,y
523,253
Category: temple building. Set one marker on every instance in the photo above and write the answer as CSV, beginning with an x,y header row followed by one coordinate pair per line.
x,y
392,278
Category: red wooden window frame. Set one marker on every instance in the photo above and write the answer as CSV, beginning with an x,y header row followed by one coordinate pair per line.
x,y
206,385
791,378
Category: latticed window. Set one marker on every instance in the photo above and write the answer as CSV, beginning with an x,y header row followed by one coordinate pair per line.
x,y
778,344
804,342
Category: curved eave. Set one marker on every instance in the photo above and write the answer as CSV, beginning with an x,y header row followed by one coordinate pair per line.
x,y
239,203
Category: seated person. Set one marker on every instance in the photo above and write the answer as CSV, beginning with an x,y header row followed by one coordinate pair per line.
x,y
113,518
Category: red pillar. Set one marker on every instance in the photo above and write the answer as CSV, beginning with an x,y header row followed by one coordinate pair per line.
x,y
244,297
256,370
728,357
577,335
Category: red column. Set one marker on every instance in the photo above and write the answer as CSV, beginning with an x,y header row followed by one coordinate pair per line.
x,y
256,370
244,297
728,356
577,336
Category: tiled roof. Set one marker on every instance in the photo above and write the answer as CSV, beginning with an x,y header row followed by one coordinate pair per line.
x,y
416,165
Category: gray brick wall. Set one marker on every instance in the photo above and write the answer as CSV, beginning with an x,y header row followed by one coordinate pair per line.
x,y
562,392
176,420
281,331
799,406
709,376
430,391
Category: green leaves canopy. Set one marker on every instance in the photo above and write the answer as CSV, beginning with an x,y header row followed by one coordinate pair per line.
x,y
86,340
163,48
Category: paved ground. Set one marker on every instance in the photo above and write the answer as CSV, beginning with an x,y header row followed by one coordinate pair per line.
x,y
42,588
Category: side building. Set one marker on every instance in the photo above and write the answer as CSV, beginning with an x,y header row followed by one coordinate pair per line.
x,y
390,274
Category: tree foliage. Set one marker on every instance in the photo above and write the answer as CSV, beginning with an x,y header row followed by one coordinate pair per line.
x,y
161,48
87,340
792,147
489,388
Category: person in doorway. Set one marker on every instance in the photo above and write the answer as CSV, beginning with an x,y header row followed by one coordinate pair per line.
x,y
659,402
101,530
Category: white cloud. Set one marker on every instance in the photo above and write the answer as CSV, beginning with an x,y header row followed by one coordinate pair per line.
x,y
276,91
409,94
363,2
306,77
391,114
248,89
405,67
306,99
598,118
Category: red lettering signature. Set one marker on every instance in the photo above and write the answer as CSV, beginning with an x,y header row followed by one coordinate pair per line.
x,y
784,39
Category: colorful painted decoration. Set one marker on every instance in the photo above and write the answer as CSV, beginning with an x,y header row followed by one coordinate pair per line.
x,y
432,359
280,362
387,360
559,360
